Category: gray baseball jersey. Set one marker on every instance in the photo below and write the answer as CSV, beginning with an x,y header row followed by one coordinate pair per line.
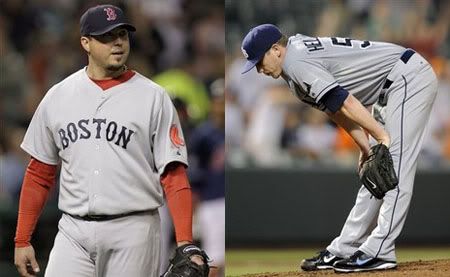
x,y
113,145
314,65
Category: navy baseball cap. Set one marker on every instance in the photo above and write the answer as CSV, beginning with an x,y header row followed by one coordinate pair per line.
x,y
102,19
257,42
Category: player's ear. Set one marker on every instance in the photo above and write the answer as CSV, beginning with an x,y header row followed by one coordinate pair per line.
x,y
85,43
277,49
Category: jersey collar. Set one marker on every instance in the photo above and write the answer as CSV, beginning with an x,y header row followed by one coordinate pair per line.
x,y
107,84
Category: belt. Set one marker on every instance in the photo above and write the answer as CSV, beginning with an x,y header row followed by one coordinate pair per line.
x,y
103,217
404,58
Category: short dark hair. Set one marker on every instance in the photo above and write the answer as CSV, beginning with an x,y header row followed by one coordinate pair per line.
x,y
283,41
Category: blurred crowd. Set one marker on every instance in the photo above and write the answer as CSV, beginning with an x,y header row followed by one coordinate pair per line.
x,y
179,44
266,126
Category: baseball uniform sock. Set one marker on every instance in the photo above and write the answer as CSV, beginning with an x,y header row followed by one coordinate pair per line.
x,y
179,199
38,180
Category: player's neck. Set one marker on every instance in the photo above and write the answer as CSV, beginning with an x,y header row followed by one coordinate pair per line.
x,y
282,54
99,73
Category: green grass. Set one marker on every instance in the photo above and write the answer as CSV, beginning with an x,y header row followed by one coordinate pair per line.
x,y
245,261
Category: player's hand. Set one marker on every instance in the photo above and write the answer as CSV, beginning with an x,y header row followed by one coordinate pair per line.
x,y
363,156
213,271
185,262
25,261
195,258
385,139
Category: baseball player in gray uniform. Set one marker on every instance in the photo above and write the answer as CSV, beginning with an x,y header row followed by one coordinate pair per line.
x,y
344,78
118,139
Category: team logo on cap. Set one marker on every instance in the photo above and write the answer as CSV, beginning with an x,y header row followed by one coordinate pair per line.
x,y
111,13
174,136
244,52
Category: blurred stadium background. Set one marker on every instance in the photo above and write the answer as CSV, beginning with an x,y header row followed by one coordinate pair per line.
x,y
178,43
291,174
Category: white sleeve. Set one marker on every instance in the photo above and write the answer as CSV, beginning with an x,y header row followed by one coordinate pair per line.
x,y
313,77
38,140
168,140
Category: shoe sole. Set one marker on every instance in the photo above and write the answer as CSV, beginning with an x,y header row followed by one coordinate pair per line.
x,y
320,267
380,267
325,267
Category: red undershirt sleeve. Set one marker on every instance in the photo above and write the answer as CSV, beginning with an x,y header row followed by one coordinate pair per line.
x,y
39,178
179,199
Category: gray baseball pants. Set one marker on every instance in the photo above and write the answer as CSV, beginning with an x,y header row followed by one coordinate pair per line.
x,y
125,246
373,225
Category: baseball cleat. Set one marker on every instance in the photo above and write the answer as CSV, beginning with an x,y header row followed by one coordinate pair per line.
x,y
362,262
324,260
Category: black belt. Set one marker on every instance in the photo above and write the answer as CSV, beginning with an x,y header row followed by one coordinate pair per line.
x,y
404,58
103,217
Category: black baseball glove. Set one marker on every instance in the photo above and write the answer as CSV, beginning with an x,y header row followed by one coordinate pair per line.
x,y
182,266
377,173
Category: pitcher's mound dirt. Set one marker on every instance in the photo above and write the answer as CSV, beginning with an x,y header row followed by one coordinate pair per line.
x,y
434,268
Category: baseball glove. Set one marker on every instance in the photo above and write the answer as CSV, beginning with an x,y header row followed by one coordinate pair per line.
x,y
182,266
377,173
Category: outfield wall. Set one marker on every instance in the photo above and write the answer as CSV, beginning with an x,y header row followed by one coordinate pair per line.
x,y
295,207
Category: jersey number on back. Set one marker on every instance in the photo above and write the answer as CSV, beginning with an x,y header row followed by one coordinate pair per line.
x,y
348,42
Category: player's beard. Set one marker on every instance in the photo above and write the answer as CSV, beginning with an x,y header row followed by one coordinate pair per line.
x,y
115,67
